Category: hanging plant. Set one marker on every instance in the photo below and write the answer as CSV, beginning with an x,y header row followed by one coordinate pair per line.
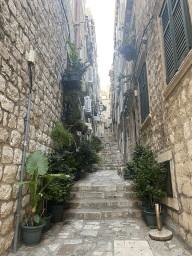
x,y
72,78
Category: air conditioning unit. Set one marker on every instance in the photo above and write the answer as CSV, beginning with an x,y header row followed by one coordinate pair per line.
x,y
87,104
90,75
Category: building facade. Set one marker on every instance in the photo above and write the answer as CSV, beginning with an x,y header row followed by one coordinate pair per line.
x,y
152,92
45,27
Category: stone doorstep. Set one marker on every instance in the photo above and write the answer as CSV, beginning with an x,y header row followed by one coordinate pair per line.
x,y
93,214
101,203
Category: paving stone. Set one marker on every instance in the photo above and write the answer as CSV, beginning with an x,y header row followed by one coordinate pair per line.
x,y
73,241
91,227
66,250
89,233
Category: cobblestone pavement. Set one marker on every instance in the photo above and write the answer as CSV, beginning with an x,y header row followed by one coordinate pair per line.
x,y
119,237
124,237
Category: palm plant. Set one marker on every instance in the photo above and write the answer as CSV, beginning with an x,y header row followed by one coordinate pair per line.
x,y
37,166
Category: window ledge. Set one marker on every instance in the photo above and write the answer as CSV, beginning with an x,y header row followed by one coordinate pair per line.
x,y
145,123
179,74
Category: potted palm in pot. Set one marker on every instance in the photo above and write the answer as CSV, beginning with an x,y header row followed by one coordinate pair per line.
x,y
32,223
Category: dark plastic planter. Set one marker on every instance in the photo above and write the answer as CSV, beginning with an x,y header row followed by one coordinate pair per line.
x,y
47,222
127,176
31,235
150,215
56,211
143,213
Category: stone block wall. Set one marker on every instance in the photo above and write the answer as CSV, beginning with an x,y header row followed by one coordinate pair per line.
x,y
168,128
43,26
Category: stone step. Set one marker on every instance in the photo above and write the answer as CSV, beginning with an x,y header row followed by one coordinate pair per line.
x,y
109,213
104,203
111,164
109,168
110,194
102,188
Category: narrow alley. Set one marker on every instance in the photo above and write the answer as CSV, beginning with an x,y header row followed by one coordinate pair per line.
x,y
104,218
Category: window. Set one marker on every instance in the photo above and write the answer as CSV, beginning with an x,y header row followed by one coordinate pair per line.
x,y
176,31
168,181
144,99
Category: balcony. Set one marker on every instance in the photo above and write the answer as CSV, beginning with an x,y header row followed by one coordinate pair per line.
x,y
71,81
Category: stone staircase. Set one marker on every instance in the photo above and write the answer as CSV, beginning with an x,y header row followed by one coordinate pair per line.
x,y
104,194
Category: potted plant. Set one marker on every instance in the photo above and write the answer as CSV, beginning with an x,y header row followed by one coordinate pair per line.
x,y
86,155
126,174
57,193
148,181
32,224
96,143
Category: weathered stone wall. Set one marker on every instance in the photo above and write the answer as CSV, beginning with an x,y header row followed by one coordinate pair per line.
x,y
43,26
168,127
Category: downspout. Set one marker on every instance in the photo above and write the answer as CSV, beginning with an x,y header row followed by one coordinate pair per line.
x,y
31,62
124,135
77,24
137,119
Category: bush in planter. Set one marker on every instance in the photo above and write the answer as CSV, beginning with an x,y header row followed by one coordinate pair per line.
x,y
96,143
86,155
57,193
149,180
150,176
61,161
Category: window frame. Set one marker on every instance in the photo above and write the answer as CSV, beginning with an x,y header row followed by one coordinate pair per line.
x,y
186,23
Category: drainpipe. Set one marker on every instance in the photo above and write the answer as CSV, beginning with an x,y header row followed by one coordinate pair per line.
x,y
77,24
124,135
137,116
31,62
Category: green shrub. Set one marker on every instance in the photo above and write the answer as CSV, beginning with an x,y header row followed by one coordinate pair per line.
x,y
150,176
96,143
58,191
61,161
86,154
62,137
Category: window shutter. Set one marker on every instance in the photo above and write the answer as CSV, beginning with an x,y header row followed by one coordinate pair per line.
x,y
168,42
144,99
176,33
180,31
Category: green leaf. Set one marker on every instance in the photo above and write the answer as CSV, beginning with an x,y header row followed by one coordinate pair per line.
x,y
37,160
36,218
25,220
26,182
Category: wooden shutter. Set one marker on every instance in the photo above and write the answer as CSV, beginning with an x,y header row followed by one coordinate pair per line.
x,y
168,41
176,33
144,99
180,31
